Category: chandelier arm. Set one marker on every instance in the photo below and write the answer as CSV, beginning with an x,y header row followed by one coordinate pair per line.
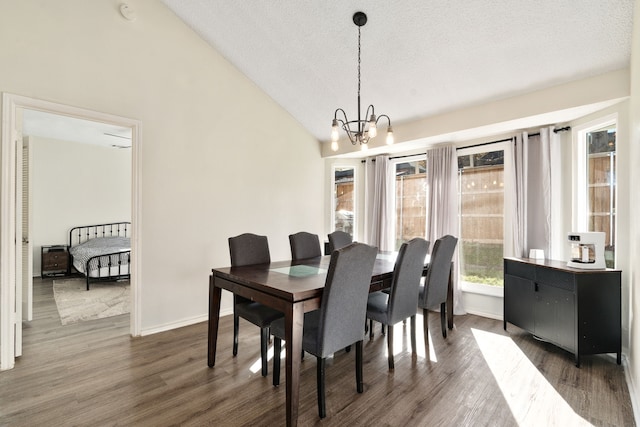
x,y
335,116
351,134
385,116
373,111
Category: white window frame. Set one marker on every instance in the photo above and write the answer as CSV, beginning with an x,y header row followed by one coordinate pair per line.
x,y
580,203
393,163
335,167
507,148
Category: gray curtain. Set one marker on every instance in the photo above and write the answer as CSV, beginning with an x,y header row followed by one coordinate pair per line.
x,y
378,212
442,195
519,163
532,192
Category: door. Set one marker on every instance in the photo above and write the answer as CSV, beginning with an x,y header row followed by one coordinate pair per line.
x,y
518,302
27,247
18,238
10,240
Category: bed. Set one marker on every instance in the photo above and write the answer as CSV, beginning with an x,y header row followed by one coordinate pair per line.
x,y
102,251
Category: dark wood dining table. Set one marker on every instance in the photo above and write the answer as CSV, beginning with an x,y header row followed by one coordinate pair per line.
x,y
293,287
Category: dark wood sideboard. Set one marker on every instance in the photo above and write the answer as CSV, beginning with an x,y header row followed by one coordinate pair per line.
x,y
577,310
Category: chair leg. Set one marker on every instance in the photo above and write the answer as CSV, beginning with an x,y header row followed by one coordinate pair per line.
x,y
390,347
359,386
320,381
413,334
370,329
264,340
443,319
425,321
277,348
236,327
382,328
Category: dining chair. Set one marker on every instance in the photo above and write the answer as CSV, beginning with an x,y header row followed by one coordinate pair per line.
x,y
248,249
338,322
304,245
401,302
433,294
338,239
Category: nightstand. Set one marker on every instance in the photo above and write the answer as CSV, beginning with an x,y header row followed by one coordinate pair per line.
x,y
54,260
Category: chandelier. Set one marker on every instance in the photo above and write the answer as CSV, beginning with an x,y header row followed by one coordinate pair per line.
x,y
362,130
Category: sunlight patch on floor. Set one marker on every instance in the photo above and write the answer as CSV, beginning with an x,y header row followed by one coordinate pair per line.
x,y
532,400
257,365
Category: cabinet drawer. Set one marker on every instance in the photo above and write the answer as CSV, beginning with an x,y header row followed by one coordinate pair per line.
x,y
519,269
55,257
555,278
52,265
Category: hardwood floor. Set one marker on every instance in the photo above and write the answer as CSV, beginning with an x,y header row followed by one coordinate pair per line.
x,y
94,373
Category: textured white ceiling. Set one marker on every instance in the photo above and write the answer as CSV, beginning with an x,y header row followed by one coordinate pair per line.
x,y
419,57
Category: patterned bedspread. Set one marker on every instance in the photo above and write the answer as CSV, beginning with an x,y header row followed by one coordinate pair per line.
x,y
101,246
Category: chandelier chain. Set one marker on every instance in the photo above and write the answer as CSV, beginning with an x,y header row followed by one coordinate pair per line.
x,y
358,62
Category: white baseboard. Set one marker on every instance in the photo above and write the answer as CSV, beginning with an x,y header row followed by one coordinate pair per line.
x,y
182,323
485,314
632,390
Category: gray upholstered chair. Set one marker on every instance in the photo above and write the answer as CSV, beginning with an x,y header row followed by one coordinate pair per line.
x,y
248,249
433,294
338,322
338,239
401,302
304,245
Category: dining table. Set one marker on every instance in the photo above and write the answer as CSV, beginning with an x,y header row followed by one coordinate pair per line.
x,y
294,288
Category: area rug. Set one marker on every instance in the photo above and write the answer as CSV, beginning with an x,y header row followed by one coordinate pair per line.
x,y
104,299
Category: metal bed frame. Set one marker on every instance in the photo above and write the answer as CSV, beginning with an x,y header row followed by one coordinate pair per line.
x,y
78,235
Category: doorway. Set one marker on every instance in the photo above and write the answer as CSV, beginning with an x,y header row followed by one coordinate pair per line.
x,y
10,214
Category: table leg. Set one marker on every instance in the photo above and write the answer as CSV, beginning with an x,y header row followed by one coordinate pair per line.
x,y
294,320
214,317
450,299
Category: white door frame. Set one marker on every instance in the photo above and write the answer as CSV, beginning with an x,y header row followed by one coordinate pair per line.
x,y
9,245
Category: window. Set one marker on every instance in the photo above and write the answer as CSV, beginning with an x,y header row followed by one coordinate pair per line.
x,y
410,200
481,216
344,199
601,186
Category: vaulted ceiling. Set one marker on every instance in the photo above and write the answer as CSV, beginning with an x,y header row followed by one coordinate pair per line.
x,y
419,57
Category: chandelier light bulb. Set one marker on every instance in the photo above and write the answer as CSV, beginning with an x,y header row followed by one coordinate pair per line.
x,y
334,145
364,147
335,135
373,130
390,139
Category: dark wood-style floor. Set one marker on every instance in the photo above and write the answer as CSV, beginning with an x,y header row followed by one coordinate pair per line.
x,y
95,374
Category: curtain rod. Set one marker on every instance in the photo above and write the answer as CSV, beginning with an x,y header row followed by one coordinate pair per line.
x,y
484,143
397,157
563,129
566,128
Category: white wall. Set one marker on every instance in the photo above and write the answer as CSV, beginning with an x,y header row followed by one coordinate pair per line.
x,y
218,156
75,184
634,207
